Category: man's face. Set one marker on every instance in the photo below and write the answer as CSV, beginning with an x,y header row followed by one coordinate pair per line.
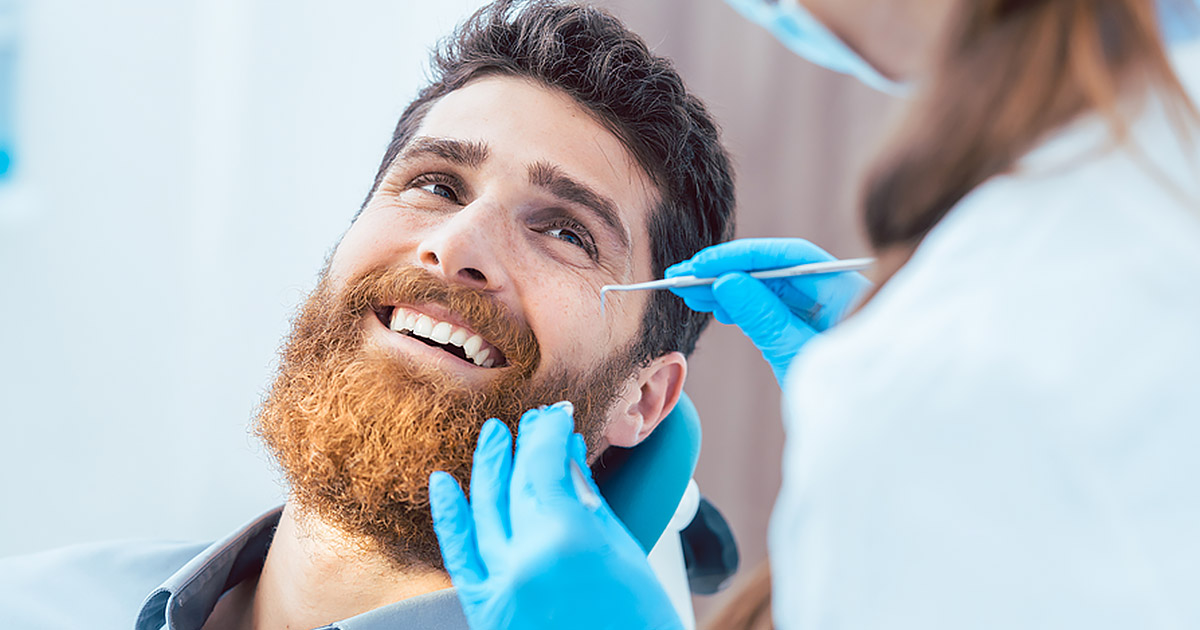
x,y
467,288
513,189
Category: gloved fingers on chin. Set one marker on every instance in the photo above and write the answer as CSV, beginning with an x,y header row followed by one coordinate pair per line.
x,y
578,449
722,316
540,470
455,531
491,474
579,454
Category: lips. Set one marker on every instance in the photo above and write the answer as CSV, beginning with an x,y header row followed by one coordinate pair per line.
x,y
455,339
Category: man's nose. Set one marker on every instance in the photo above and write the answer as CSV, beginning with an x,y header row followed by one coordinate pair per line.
x,y
464,248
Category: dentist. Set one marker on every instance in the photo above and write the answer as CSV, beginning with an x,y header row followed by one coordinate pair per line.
x,y
1003,434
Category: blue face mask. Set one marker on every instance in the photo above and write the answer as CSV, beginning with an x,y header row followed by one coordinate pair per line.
x,y
1180,20
806,36
795,27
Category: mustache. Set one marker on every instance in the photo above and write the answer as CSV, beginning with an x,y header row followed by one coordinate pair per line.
x,y
374,290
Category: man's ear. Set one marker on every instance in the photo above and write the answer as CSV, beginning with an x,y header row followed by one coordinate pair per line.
x,y
647,397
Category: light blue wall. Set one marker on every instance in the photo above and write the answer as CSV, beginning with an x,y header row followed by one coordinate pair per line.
x,y
185,168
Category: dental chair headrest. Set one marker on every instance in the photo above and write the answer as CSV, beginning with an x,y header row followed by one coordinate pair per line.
x,y
645,484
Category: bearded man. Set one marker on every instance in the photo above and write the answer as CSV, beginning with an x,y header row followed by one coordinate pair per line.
x,y
552,154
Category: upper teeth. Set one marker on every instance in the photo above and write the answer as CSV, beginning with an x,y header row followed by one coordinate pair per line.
x,y
422,325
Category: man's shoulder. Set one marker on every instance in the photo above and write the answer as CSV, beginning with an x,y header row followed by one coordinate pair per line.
x,y
101,585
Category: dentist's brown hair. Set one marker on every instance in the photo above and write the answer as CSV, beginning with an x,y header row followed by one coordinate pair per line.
x,y
1009,73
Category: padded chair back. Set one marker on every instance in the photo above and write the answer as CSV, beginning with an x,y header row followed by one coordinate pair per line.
x,y
645,484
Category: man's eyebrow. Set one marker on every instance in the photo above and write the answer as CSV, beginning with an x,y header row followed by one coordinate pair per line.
x,y
561,185
467,153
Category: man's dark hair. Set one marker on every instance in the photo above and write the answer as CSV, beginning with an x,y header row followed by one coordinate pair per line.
x,y
587,53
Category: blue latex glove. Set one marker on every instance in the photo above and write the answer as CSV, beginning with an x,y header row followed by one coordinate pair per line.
x,y
527,553
778,315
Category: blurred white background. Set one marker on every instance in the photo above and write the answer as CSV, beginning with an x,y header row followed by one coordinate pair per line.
x,y
182,169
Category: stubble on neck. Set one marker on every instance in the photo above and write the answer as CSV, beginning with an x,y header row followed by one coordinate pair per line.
x,y
315,574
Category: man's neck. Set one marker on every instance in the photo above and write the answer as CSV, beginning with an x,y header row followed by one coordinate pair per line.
x,y
316,574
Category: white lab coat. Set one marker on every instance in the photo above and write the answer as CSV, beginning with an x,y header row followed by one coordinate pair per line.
x,y
1008,435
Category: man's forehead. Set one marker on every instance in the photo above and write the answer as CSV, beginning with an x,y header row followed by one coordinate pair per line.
x,y
523,123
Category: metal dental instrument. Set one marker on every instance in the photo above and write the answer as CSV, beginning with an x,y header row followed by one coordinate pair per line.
x,y
679,282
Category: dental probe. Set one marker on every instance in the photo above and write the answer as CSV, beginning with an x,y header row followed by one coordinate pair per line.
x,y
680,282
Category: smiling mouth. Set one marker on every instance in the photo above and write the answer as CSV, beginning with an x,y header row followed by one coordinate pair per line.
x,y
458,341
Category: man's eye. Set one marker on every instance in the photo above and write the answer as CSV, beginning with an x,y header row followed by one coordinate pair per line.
x,y
574,234
438,184
568,235
440,190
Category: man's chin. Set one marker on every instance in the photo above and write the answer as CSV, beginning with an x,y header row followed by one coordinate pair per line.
x,y
357,447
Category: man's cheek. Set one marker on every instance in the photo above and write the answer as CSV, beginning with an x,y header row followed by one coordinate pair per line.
x,y
360,249
347,256
383,234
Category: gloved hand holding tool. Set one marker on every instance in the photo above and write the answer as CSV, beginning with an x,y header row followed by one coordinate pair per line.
x,y
778,315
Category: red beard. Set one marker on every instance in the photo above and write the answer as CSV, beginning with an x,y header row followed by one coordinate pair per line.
x,y
357,430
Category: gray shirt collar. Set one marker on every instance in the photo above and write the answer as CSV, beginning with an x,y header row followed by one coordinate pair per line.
x,y
185,600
